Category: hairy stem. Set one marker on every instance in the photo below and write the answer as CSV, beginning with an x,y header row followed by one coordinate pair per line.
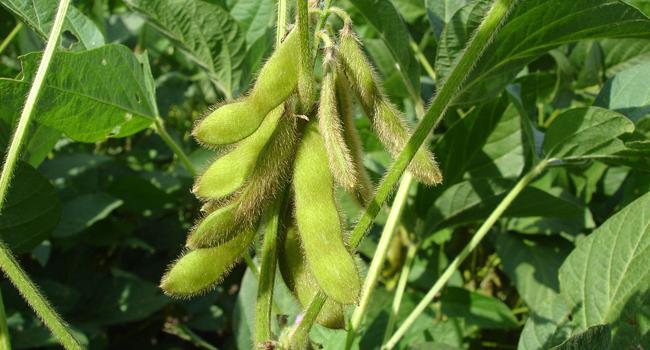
x,y
5,341
399,291
379,258
9,265
306,79
281,25
11,36
473,243
268,265
477,45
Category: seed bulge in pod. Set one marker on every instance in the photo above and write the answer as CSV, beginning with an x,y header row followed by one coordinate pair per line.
x,y
319,222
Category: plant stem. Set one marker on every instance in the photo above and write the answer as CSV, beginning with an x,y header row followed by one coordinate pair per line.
x,y
9,265
379,258
399,291
11,36
423,60
306,79
300,337
159,124
35,299
473,243
268,264
484,34
281,25
5,342
251,265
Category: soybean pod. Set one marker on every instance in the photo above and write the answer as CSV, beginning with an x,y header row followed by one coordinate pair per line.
x,y
319,222
388,122
276,81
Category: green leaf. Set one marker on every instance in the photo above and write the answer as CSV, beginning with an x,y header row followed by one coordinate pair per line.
x,y
473,200
627,92
487,141
124,298
255,17
623,54
533,265
440,12
31,212
537,26
206,32
88,95
383,16
477,309
606,278
83,211
594,338
584,133
38,15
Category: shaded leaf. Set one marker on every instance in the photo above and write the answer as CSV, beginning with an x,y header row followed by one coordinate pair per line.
x,y
440,12
477,309
627,92
206,32
83,211
594,338
39,15
31,211
537,26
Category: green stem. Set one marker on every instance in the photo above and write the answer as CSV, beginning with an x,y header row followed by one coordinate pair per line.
x,y
473,243
251,265
9,265
35,299
477,45
268,265
281,25
11,36
300,337
379,258
423,60
159,124
5,341
305,80
399,291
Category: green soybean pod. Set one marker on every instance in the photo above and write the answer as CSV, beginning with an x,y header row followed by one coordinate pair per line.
x,y
363,188
388,122
331,128
301,281
269,177
275,82
229,172
319,223
197,271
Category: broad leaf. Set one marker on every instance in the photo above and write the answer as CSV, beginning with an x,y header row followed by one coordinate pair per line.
x,y
88,95
535,27
533,265
255,17
206,32
38,15
31,211
383,16
623,54
627,92
474,199
594,338
606,279
440,12
477,309
584,133
83,211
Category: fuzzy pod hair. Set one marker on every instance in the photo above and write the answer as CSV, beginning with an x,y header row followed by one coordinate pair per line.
x,y
301,281
198,271
363,188
388,122
319,223
331,128
229,172
270,177
275,82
